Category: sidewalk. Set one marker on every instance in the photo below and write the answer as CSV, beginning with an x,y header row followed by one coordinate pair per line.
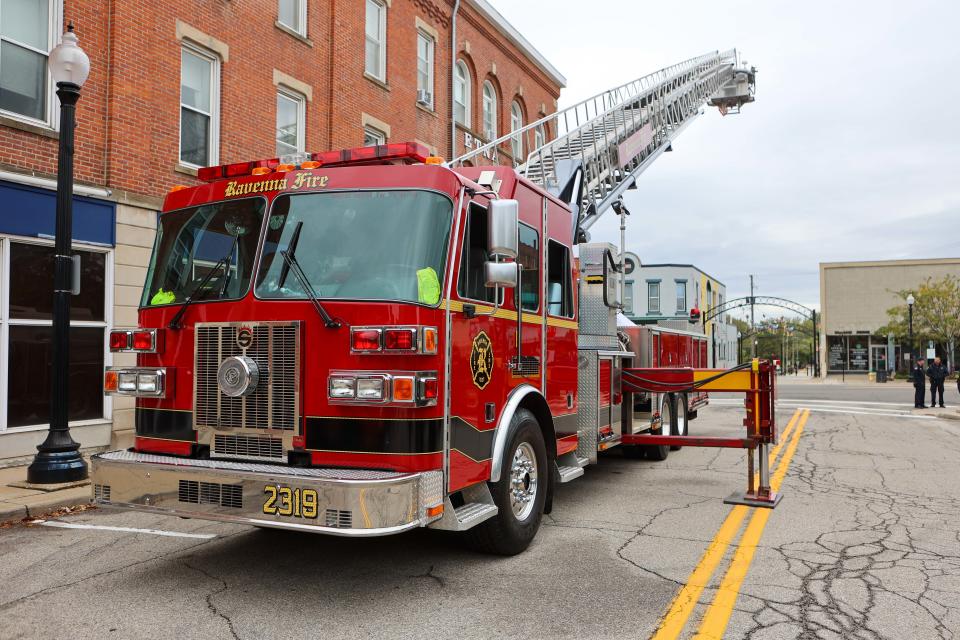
x,y
849,381
18,499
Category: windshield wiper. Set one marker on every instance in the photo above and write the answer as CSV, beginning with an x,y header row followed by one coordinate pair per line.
x,y
223,262
290,263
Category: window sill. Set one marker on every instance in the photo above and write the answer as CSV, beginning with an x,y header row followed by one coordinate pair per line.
x,y
39,130
427,109
290,32
184,169
377,81
94,422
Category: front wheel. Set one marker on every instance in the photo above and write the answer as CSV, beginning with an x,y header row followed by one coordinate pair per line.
x,y
520,492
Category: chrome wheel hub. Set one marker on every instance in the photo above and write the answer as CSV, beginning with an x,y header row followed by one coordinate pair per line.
x,y
523,481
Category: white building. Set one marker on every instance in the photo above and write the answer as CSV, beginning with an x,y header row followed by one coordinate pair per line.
x,y
664,294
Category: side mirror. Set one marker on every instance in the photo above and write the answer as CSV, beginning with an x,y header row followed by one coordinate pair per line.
x,y
502,228
500,274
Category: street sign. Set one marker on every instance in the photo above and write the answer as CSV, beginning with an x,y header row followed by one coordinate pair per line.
x,y
931,354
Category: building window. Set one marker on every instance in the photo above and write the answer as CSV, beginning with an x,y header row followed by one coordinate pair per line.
x,y
291,110
528,256
26,30
539,136
489,111
681,296
628,297
516,123
653,297
199,107
424,69
26,331
375,62
293,15
373,136
461,94
559,284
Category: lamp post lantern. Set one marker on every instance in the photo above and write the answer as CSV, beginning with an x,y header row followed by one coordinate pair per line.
x,y
58,458
910,301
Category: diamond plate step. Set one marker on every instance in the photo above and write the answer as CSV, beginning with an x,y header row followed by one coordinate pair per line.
x,y
568,473
474,513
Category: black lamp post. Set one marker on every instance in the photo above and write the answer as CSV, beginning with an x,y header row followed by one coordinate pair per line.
x,y
58,459
910,301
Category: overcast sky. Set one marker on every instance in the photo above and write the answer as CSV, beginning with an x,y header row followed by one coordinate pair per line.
x,y
850,152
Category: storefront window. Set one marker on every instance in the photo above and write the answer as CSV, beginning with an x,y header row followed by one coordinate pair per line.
x,y
848,353
26,281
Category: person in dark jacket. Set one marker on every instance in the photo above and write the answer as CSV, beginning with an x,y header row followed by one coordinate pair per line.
x,y
919,384
937,372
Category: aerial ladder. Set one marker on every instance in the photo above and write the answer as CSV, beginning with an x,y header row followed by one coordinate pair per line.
x,y
588,155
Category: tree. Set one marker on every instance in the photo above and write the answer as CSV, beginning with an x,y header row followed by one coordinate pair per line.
x,y
936,313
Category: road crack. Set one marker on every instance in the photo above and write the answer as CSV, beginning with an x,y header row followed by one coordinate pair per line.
x,y
209,597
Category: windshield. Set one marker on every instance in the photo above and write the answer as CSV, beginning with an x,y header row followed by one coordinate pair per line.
x,y
362,245
193,241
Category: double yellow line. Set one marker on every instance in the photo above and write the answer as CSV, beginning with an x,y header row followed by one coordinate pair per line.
x,y
715,620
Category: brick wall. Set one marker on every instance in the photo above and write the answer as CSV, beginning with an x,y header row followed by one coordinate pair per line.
x,y
128,115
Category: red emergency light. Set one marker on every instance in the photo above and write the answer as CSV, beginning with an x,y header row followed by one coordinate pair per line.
x,y
393,153
397,152
235,170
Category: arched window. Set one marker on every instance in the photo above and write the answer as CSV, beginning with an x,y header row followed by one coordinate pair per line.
x,y
461,94
516,123
489,111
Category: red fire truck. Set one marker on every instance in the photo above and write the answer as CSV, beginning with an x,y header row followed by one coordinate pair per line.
x,y
365,341
662,347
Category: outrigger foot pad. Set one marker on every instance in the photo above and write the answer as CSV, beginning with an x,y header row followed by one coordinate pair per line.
x,y
753,500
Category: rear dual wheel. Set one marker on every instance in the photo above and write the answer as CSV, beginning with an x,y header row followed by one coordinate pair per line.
x,y
682,422
659,453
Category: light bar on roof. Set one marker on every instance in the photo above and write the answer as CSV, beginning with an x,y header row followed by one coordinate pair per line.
x,y
393,153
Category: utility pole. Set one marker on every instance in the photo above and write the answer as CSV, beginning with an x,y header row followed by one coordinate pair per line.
x,y
753,327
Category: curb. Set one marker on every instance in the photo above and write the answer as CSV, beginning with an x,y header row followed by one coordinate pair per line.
x,y
11,513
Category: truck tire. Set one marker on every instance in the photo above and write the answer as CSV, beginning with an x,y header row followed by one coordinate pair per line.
x,y
682,421
659,453
525,473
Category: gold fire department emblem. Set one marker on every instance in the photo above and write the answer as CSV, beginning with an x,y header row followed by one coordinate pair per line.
x,y
481,360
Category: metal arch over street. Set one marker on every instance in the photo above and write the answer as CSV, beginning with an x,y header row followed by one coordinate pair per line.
x,y
771,301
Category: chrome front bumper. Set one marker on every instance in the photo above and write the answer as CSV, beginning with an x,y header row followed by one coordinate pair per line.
x,y
344,502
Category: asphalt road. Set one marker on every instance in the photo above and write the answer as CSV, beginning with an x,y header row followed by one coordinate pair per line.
x,y
865,544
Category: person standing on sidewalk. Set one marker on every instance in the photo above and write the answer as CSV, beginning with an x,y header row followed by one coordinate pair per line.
x,y
937,372
919,384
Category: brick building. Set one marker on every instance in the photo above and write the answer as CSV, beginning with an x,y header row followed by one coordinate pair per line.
x,y
182,84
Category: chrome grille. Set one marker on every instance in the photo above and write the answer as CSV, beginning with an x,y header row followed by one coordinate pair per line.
x,y
274,403
224,495
248,447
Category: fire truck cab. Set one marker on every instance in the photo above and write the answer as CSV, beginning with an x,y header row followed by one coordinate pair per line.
x,y
362,344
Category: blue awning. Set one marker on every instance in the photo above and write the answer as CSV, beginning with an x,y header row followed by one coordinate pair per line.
x,y
31,211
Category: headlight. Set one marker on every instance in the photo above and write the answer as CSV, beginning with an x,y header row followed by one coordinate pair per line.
x,y
147,383
370,388
128,381
144,382
342,388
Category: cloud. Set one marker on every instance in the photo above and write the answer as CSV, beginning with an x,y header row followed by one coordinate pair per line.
x,y
851,151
